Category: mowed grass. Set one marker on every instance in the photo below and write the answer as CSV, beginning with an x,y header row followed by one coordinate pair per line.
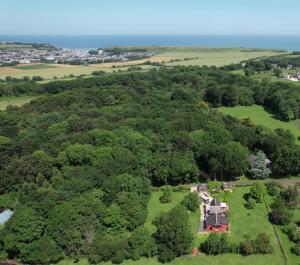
x,y
262,117
156,208
14,101
225,259
287,244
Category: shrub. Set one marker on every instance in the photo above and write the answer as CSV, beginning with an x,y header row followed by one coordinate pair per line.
x,y
191,201
250,203
258,192
280,216
274,188
290,196
167,195
216,244
97,73
296,249
293,232
214,186
246,248
262,244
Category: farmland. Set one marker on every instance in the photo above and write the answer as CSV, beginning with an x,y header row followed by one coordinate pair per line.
x,y
170,55
262,117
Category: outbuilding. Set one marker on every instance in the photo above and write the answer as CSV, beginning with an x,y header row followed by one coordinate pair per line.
x,y
5,215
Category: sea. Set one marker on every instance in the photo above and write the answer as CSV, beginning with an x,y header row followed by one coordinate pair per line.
x,y
289,43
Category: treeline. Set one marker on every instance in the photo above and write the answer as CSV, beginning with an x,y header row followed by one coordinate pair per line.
x,y
218,87
283,60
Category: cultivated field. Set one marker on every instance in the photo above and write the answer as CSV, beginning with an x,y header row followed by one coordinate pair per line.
x,y
169,55
14,101
261,117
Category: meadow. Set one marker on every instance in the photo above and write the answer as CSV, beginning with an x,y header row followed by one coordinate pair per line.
x,y
215,56
14,101
170,55
262,117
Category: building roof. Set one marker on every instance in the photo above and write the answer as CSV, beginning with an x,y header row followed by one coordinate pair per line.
x,y
5,216
215,202
216,219
227,185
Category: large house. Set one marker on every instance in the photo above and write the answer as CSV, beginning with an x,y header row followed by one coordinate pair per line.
x,y
216,219
214,214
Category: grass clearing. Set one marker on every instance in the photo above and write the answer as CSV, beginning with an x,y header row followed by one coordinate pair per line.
x,y
262,117
156,208
14,101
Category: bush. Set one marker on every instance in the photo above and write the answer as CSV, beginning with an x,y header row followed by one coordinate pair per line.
x,y
293,232
97,73
191,201
290,196
258,192
166,255
262,244
274,188
167,195
280,216
250,204
37,78
246,248
214,186
216,244
296,249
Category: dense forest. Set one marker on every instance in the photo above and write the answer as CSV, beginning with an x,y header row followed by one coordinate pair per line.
x,y
216,86
77,164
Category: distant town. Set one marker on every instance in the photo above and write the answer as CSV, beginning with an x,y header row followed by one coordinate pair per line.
x,y
12,54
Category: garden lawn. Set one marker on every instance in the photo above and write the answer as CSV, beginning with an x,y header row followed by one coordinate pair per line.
x,y
262,117
249,223
287,244
225,259
156,208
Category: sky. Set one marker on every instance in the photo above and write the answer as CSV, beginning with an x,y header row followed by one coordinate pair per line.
x,y
149,17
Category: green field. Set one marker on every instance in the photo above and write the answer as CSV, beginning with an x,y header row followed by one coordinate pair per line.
x,y
156,208
14,101
214,56
195,56
261,117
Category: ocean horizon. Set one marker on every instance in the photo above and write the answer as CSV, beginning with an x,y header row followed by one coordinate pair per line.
x,y
289,43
